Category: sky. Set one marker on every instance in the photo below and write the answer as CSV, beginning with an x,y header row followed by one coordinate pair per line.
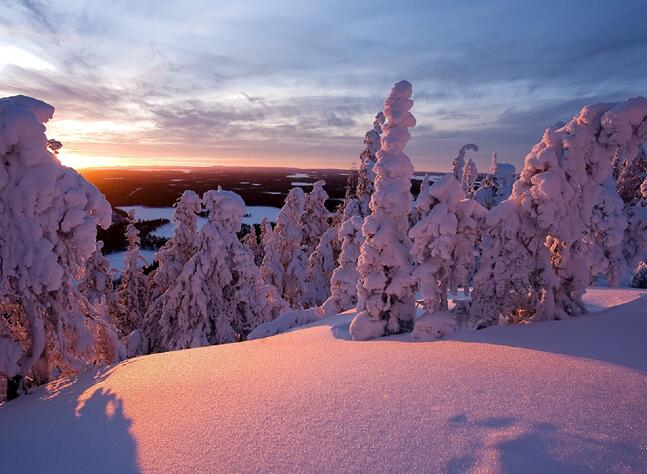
x,y
296,83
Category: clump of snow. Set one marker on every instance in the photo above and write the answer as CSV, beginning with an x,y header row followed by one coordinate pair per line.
x,y
434,326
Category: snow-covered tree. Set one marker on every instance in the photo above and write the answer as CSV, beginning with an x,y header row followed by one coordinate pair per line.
x,y
459,162
444,241
180,248
384,290
97,281
366,175
284,263
48,216
134,289
321,264
643,192
219,296
536,260
468,181
343,283
497,185
314,220
250,240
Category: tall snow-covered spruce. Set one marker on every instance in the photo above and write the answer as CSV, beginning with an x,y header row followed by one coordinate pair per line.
x,y
343,282
48,215
386,303
133,291
537,257
284,264
366,174
180,248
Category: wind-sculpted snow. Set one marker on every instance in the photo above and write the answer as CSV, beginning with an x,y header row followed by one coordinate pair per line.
x,y
563,396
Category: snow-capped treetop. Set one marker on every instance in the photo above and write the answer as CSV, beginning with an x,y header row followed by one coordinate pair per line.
x,y
180,248
225,207
643,191
385,295
366,175
378,123
314,220
459,161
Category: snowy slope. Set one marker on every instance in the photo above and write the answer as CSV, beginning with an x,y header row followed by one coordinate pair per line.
x,y
567,396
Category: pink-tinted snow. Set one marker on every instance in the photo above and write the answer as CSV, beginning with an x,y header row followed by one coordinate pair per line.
x,y
561,396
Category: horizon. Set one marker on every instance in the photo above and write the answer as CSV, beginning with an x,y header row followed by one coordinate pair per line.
x,y
275,97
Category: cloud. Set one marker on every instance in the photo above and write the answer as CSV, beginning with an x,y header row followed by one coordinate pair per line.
x,y
293,78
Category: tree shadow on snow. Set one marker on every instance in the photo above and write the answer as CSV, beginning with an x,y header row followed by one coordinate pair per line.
x,y
70,426
541,447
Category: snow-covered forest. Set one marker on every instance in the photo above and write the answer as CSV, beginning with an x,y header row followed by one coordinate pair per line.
x,y
510,248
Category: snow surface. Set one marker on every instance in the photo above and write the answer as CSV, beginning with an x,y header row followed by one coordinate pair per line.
x,y
254,215
301,183
558,396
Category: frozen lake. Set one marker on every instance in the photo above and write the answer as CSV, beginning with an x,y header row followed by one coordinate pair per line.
x,y
254,215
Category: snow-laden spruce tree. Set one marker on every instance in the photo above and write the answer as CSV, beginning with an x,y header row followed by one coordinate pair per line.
x,y
48,216
321,264
384,290
250,240
314,220
536,259
444,241
219,296
459,162
366,175
97,281
134,289
468,181
497,185
284,263
343,283
180,248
